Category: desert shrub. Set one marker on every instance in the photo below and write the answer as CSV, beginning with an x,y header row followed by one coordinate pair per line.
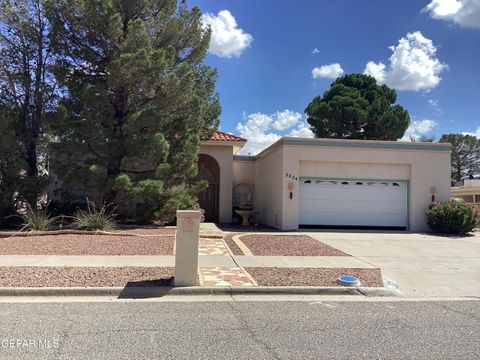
x,y
37,220
95,218
476,211
451,217
202,216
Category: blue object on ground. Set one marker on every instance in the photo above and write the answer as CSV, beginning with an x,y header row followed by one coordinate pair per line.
x,y
348,281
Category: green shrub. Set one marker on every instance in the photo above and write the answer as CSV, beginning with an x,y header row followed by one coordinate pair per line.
x,y
451,217
94,218
37,220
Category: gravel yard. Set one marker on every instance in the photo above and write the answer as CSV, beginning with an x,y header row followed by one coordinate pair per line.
x,y
80,244
271,276
85,276
287,245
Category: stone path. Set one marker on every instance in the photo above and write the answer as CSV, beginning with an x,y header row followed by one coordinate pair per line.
x,y
212,244
217,276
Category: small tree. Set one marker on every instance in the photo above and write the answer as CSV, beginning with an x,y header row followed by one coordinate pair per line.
x,y
355,107
465,155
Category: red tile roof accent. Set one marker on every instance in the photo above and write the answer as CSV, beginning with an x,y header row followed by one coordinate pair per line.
x,y
222,136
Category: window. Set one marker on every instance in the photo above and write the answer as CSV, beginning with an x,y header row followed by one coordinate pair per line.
x,y
243,196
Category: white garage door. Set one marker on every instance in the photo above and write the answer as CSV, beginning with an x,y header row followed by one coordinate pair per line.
x,y
353,203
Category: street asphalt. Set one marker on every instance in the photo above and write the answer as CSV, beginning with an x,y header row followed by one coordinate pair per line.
x,y
319,328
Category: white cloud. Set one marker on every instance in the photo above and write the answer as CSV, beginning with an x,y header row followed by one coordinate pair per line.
x,y
376,70
475,133
331,71
262,130
465,13
433,102
419,128
227,40
302,130
413,65
255,130
441,8
285,119
315,51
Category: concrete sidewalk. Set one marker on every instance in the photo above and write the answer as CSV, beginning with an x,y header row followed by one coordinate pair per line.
x,y
169,261
302,261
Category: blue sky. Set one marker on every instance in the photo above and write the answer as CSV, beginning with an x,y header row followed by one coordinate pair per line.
x,y
269,70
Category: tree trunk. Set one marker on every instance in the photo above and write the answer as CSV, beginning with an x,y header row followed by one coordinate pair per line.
x,y
113,170
32,172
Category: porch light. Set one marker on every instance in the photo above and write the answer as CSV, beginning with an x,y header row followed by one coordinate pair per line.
x,y
433,191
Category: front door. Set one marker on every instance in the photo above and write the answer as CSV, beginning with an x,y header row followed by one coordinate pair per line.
x,y
207,201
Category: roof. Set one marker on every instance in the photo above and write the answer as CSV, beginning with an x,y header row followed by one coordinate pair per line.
x,y
222,136
470,187
354,143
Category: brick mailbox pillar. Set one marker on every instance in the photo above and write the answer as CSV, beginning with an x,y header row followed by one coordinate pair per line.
x,y
186,247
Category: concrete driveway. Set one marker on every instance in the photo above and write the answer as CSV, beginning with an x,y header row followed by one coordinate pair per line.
x,y
422,265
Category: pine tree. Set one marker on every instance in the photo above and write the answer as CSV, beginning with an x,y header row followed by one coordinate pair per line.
x,y
465,156
11,165
138,99
27,86
356,107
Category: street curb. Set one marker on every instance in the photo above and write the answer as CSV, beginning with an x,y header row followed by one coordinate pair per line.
x,y
147,292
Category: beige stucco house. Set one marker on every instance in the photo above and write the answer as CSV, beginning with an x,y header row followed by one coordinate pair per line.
x,y
299,182
470,191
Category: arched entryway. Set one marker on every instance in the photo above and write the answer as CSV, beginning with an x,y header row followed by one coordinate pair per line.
x,y
208,169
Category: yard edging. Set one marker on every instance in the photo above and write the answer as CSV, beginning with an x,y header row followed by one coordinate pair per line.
x,y
7,234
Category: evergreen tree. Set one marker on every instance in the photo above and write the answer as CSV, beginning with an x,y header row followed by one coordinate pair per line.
x,y
465,155
356,107
138,99
27,86
10,167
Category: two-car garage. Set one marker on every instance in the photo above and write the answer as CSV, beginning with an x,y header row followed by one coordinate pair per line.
x,y
353,203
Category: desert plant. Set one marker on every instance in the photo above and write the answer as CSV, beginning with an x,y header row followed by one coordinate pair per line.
x,y
202,216
451,217
95,218
37,220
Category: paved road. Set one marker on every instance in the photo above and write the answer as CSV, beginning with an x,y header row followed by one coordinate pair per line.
x,y
243,330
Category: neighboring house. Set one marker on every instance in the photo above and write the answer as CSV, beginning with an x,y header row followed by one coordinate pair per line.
x,y
299,182
470,191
